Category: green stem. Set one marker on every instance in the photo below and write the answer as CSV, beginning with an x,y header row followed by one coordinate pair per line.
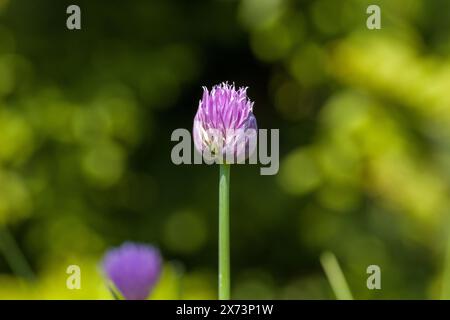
x,y
335,276
224,233
14,256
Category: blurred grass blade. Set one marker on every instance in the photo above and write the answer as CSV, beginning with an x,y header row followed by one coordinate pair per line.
x,y
335,276
445,287
115,293
178,268
14,256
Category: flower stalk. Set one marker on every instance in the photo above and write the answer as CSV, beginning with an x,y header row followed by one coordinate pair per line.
x,y
224,232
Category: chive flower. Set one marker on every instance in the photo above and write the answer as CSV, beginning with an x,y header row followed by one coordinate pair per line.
x,y
224,125
225,130
133,269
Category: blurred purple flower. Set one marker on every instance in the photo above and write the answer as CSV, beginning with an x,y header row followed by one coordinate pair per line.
x,y
224,125
133,268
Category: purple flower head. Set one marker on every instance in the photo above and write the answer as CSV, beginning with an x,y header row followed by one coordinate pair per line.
x,y
133,268
224,126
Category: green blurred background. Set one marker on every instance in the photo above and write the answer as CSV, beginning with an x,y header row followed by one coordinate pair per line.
x,y
364,118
